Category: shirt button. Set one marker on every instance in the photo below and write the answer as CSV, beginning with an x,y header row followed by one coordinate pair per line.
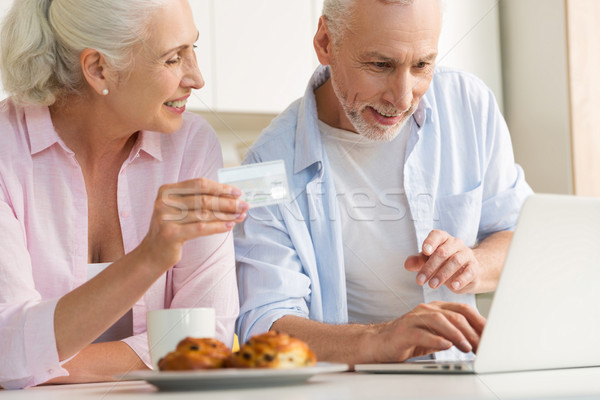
x,y
50,371
124,214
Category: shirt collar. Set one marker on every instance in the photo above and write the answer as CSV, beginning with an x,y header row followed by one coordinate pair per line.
x,y
423,112
39,126
42,134
308,139
150,143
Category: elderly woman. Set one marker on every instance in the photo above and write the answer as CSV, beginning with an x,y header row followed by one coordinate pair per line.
x,y
107,207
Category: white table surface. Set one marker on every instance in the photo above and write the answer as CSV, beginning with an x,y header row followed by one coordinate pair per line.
x,y
581,383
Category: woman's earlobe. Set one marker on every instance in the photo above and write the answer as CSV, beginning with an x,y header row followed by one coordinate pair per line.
x,y
93,67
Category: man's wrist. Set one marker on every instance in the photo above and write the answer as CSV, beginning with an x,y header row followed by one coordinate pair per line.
x,y
369,342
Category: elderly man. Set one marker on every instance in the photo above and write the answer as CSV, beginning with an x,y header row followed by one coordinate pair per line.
x,y
404,192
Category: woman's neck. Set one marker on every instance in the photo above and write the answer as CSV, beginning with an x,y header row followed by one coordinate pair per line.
x,y
86,128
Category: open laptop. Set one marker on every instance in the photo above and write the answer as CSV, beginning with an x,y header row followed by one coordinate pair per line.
x,y
546,310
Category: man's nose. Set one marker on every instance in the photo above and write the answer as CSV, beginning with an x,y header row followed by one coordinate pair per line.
x,y
399,91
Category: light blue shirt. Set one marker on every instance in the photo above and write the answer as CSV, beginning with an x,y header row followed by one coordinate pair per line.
x,y
459,176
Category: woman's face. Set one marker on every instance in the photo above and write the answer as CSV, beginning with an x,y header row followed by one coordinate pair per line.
x,y
153,93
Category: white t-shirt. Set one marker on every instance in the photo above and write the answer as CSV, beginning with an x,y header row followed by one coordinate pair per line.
x,y
377,227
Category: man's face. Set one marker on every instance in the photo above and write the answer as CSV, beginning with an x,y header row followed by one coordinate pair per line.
x,y
383,65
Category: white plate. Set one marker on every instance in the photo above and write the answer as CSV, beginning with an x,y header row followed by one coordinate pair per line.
x,y
228,378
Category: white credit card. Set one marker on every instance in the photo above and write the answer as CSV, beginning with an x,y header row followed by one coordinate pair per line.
x,y
261,184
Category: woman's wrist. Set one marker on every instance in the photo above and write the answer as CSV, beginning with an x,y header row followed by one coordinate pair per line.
x,y
145,262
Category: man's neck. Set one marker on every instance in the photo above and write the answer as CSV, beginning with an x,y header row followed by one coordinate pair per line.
x,y
329,108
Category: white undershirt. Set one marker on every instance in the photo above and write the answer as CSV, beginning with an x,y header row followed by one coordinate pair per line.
x,y
124,326
377,228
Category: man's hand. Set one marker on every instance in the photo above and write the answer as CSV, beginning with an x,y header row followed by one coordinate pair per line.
x,y
445,260
429,328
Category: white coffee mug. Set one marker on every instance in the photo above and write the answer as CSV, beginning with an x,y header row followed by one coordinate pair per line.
x,y
166,328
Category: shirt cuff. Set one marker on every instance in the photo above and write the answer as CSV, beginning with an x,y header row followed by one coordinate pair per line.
x,y
40,344
139,344
263,324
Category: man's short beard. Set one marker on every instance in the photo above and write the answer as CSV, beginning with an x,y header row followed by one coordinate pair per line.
x,y
374,133
363,128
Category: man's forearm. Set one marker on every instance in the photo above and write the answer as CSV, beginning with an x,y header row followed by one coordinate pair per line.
x,y
334,343
491,253
425,329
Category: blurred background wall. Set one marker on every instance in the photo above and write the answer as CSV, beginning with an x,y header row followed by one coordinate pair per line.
x,y
539,57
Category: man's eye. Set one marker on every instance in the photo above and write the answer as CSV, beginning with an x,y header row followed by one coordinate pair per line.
x,y
380,64
422,65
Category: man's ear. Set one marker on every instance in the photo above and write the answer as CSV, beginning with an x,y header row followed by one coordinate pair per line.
x,y
323,42
94,69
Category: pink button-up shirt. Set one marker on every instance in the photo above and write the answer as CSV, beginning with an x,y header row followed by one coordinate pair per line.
x,y
44,236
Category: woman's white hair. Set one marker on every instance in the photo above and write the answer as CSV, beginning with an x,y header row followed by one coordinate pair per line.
x,y
338,14
41,42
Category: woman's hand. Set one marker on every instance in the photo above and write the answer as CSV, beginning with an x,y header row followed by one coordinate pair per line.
x,y
187,210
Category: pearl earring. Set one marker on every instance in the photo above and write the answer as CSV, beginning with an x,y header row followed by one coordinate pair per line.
x,y
104,92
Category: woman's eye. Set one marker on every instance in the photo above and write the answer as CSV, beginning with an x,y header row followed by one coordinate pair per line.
x,y
174,60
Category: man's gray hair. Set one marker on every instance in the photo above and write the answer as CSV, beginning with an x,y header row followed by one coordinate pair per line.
x,y
338,14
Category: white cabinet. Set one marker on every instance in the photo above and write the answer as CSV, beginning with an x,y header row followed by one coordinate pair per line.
x,y
470,40
255,56
264,54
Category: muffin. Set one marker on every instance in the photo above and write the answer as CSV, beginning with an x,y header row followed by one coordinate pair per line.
x,y
272,350
193,354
